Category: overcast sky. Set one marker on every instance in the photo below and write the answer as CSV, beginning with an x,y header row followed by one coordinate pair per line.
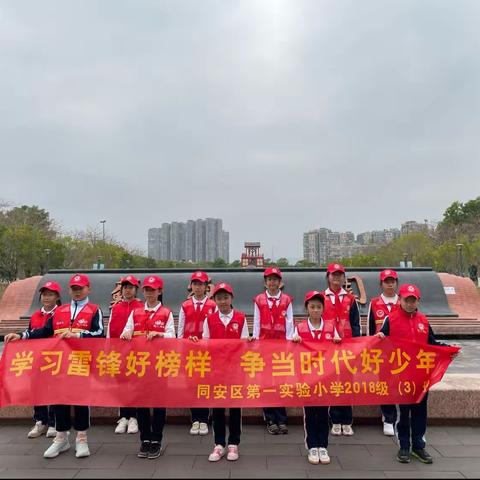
x,y
278,116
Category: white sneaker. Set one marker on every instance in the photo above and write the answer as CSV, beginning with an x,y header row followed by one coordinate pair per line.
x,y
51,432
217,454
38,430
203,430
388,429
323,454
347,430
81,446
313,457
336,429
195,430
232,454
121,425
132,425
59,445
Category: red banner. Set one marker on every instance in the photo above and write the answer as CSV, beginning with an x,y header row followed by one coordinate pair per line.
x,y
218,373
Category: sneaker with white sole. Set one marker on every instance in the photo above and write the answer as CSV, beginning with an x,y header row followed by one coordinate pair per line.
x,y
388,429
195,428
122,425
313,457
81,446
217,454
38,430
51,432
203,430
59,445
232,454
132,425
336,429
323,455
347,430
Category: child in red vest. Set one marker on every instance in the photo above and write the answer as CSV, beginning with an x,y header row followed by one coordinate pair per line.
x,y
44,416
77,319
407,322
273,320
152,320
119,313
380,307
191,318
225,323
315,419
342,306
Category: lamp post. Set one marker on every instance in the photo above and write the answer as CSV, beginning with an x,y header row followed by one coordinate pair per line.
x,y
47,259
103,229
460,259
405,257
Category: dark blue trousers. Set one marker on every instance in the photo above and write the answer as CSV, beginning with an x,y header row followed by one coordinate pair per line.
x,y
315,421
412,424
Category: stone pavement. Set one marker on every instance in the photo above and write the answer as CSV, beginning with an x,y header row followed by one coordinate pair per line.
x,y
368,454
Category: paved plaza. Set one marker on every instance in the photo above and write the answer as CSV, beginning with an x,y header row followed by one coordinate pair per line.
x,y
368,454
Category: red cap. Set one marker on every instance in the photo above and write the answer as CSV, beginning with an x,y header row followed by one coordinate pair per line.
x,y
335,267
199,277
153,281
272,271
53,286
222,286
131,280
388,274
314,294
409,290
79,280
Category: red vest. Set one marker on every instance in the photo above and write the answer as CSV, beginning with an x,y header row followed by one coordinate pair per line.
x,y
194,320
119,315
144,322
379,311
340,313
62,319
412,326
39,319
272,320
326,334
233,330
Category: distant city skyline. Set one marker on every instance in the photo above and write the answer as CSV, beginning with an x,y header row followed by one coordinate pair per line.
x,y
201,240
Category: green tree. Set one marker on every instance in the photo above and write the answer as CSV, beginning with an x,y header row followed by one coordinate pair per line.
x,y
282,262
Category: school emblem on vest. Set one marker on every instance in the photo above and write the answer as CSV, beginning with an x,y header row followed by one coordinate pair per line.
x,y
284,312
421,326
380,313
82,321
235,326
327,336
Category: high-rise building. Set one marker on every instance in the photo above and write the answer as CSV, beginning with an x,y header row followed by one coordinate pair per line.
x,y
191,241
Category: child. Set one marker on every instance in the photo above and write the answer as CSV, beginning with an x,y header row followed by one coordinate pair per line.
x,y
407,322
77,319
225,323
342,306
380,307
315,419
44,416
273,319
152,320
119,314
191,317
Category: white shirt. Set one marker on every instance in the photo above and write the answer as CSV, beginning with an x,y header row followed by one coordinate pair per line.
x,y
389,301
313,329
181,315
226,319
289,324
341,293
169,327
